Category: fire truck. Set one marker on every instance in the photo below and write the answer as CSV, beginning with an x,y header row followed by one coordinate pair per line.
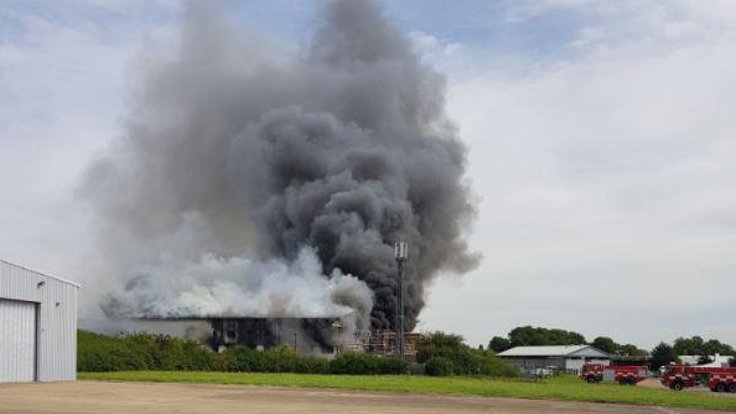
x,y
623,374
717,379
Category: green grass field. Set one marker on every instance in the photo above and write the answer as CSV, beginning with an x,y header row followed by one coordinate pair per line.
x,y
564,388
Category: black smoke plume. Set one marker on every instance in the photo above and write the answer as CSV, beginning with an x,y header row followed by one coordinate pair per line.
x,y
251,181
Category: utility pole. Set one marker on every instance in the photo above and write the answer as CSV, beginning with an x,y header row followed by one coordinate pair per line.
x,y
401,253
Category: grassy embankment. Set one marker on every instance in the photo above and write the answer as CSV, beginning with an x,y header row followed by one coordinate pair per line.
x,y
564,388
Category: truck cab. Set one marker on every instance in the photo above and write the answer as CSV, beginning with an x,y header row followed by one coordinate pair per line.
x,y
677,377
622,374
592,373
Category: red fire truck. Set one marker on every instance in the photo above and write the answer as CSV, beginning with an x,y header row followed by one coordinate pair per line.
x,y
623,374
717,379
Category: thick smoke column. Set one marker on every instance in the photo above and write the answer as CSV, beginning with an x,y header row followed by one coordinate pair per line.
x,y
247,181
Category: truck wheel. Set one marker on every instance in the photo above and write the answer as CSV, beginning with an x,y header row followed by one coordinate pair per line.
x,y
591,380
677,385
732,387
720,387
632,381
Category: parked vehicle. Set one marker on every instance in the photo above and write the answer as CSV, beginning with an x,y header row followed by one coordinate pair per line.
x,y
622,374
717,379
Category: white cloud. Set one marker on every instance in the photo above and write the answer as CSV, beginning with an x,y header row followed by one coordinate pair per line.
x,y
515,12
446,56
607,183
64,79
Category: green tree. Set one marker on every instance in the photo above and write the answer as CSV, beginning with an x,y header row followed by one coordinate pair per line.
x,y
440,344
499,344
606,344
714,346
528,335
697,346
631,350
447,354
689,346
662,354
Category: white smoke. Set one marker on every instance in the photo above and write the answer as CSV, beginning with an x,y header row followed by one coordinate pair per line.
x,y
241,286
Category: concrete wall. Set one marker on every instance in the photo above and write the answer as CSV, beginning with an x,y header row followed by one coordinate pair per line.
x,y
56,330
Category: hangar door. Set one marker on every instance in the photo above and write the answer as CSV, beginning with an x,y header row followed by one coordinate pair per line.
x,y
17,341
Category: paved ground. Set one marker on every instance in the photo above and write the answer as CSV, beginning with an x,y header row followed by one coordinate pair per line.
x,y
654,383
122,398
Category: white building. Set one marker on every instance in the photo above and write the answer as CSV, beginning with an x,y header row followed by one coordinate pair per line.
x,y
719,360
38,326
568,358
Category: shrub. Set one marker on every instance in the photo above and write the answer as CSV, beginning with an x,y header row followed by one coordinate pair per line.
x,y
201,359
243,359
281,359
102,353
446,354
488,364
352,363
439,367
392,366
312,365
141,352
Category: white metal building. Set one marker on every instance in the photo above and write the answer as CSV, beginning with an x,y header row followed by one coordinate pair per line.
x,y
569,358
718,360
38,326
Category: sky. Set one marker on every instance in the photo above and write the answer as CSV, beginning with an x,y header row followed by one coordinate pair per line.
x,y
600,135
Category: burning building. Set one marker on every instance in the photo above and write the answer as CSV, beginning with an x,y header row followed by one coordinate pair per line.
x,y
315,336
261,333
384,343
256,183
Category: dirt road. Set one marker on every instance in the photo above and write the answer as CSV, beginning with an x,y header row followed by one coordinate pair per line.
x,y
134,398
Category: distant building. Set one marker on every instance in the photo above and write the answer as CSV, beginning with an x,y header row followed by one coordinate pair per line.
x,y
38,326
718,360
566,358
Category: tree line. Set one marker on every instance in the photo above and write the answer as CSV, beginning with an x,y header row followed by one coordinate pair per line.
x,y
538,336
438,354
662,354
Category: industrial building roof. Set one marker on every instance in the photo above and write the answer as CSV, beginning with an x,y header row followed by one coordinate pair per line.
x,y
554,351
75,284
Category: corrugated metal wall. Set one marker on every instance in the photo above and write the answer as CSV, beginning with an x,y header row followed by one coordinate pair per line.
x,y
56,318
17,341
531,362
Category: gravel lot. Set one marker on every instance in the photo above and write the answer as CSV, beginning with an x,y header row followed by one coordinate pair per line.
x,y
120,397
